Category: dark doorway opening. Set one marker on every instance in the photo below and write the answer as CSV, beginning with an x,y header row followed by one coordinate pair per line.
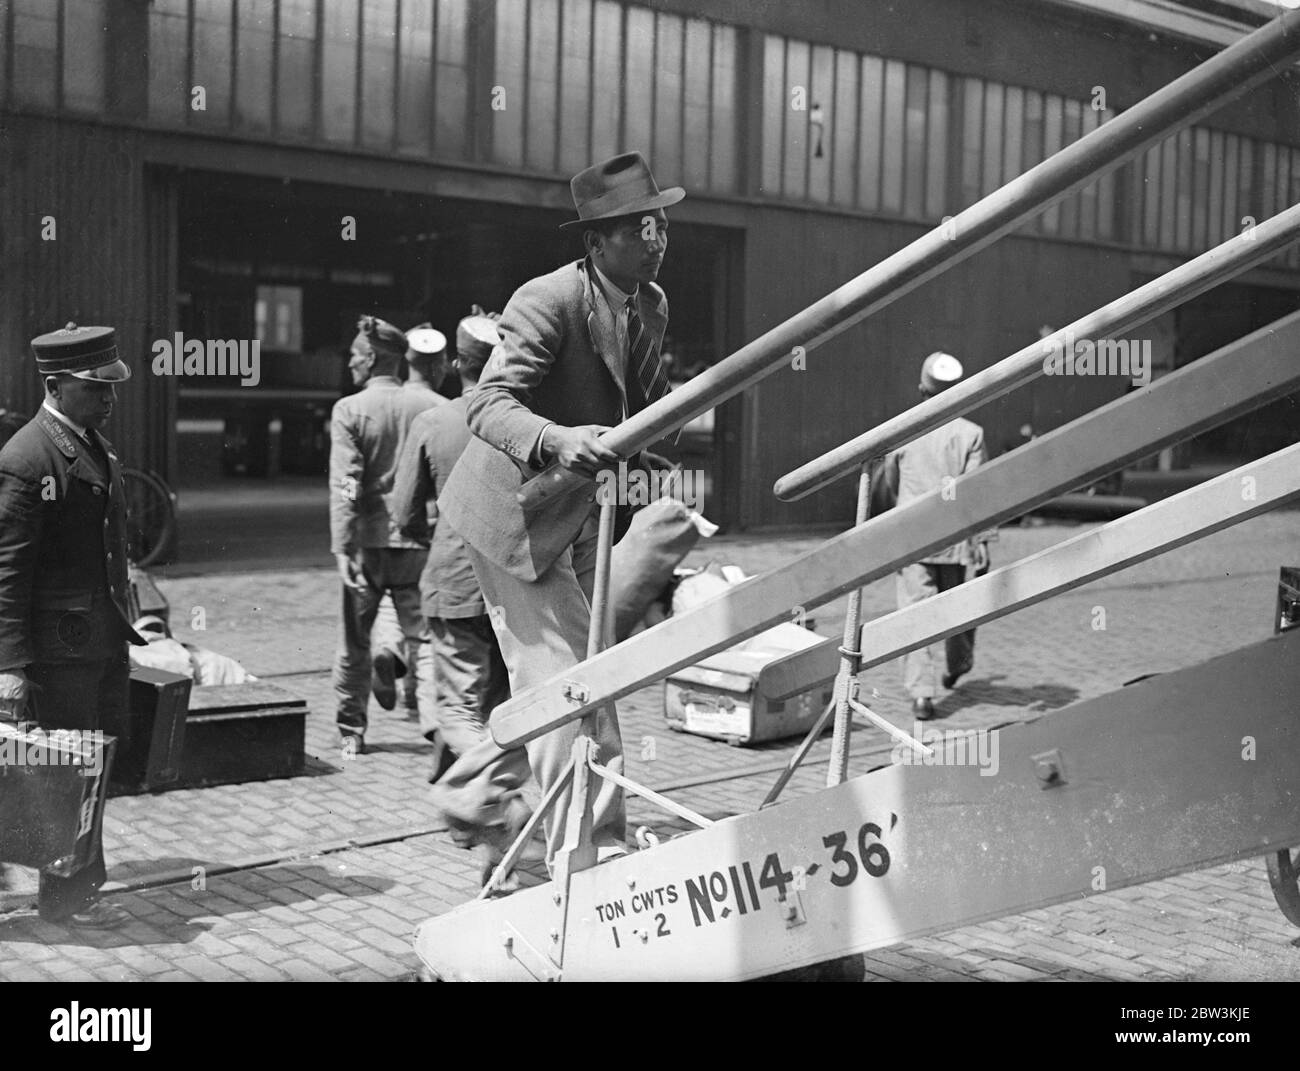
x,y
294,264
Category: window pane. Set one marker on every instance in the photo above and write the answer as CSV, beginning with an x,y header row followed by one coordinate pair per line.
x,y
378,74
666,155
1231,190
36,53
4,49
972,145
84,40
918,86
575,90
725,122
936,193
1183,226
1168,193
638,88
1013,133
699,51
253,85
1214,226
775,102
415,101
169,96
607,62
1247,199
871,103
821,91
451,78
844,127
994,98
1072,132
295,90
213,42
1106,192
1268,182
1053,126
1088,195
508,122
338,106
1202,201
794,170
893,149
543,83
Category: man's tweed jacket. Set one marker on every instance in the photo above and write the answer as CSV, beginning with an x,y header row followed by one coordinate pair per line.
x,y
558,361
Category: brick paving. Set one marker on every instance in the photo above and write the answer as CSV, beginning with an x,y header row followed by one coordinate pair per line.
x,y
325,876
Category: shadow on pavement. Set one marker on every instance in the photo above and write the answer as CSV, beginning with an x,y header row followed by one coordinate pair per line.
x,y
174,911
986,690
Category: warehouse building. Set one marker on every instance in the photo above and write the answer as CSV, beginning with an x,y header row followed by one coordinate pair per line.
x,y
267,169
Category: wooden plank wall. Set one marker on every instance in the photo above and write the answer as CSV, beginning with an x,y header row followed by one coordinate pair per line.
x,y
108,264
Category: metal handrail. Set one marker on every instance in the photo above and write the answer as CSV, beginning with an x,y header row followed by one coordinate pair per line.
x,y
1225,76
1138,306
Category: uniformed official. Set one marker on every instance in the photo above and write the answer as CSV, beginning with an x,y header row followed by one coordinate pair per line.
x,y
921,467
64,624
367,432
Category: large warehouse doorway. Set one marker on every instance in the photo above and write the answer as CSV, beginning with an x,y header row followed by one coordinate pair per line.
x,y
294,264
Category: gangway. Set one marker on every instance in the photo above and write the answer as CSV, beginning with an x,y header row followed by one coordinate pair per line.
x,y
926,845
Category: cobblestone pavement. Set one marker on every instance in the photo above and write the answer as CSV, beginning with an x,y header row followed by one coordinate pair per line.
x,y
325,876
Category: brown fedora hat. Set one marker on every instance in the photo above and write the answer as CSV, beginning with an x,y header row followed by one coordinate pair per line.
x,y
621,186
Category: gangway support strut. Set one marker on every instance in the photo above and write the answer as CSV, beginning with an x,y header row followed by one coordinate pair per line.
x,y
1133,786
1211,391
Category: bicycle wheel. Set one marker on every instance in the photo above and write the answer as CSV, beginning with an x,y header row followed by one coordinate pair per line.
x,y
150,516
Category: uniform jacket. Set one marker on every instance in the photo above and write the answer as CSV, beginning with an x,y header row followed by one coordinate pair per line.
x,y
558,361
448,588
923,465
63,567
367,432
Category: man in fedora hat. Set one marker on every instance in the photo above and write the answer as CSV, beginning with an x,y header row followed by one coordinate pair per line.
x,y
579,352
64,622
931,463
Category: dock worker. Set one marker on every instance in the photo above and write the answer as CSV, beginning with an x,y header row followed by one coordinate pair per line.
x,y
393,658
64,622
367,432
925,465
579,352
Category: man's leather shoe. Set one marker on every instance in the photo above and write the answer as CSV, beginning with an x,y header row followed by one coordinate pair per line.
x,y
950,679
352,743
100,915
922,709
383,679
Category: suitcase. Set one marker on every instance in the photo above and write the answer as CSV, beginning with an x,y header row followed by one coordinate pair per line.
x,y
243,732
733,695
151,737
52,792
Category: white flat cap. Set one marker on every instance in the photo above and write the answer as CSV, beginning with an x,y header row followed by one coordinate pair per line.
x,y
940,370
426,340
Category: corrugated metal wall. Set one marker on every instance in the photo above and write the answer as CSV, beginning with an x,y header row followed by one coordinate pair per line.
x,y
109,261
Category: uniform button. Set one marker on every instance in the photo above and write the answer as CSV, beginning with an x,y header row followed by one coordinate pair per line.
x,y
99,490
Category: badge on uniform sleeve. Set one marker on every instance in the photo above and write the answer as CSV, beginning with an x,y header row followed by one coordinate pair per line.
x,y
74,631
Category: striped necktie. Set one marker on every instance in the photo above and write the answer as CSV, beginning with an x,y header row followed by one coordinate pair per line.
x,y
644,361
